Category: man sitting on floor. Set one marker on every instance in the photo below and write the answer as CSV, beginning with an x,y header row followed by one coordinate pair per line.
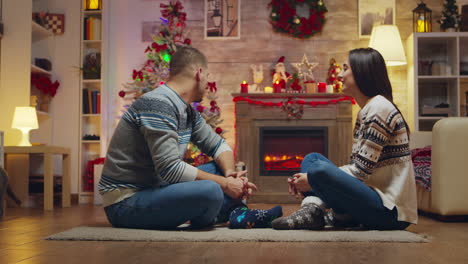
x,y
146,184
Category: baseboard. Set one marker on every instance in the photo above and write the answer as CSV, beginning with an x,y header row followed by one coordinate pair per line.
x,y
273,198
445,218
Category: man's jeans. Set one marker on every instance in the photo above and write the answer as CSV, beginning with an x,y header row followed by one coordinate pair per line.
x,y
166,207
348,195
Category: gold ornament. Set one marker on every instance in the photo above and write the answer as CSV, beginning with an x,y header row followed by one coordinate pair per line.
x,y
297,20
307,74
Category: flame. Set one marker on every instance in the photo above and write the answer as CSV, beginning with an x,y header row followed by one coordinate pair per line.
x,y
269,157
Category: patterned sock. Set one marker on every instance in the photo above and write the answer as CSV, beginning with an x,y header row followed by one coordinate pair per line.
x,y
332,219
243,217
310,216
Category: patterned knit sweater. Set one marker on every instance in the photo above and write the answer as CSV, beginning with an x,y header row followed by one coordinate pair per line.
x,y
382,159
149,143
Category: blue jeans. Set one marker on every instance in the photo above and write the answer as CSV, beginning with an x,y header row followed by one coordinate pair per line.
x,y
166,207
348,195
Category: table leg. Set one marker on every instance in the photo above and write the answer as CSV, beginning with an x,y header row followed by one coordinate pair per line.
x,y
48,182
66,184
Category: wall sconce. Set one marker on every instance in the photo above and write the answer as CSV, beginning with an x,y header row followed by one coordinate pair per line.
x,y
25,119
422,18
386,40
93,4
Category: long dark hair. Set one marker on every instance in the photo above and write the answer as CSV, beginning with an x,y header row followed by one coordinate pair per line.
x,y
370,75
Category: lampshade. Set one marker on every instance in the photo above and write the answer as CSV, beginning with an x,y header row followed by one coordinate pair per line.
x,y
386,40
25,119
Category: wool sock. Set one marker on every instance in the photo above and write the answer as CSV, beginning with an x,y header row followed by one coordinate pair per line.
x,y
310,216
243,217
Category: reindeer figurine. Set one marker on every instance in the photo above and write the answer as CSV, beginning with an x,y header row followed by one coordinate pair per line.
x,y
257,77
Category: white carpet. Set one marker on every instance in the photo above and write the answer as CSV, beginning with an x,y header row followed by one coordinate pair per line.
x,y
235,235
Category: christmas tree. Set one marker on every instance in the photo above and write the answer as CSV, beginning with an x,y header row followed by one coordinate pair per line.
x,y
212,116
155,71
450,17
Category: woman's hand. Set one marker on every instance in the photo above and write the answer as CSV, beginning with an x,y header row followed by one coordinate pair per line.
x,y
301,183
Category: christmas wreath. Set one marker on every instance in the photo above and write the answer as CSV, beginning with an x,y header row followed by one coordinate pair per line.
x,y
299,18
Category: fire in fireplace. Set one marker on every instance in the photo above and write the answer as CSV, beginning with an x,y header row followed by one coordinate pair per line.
x,y
282,149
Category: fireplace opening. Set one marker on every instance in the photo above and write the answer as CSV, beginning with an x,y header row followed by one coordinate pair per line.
x,y
282,149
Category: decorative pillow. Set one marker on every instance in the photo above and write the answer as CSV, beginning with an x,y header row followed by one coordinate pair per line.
x,y
422,166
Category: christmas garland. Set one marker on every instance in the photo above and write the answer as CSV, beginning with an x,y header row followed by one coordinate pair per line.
x,y
290,101
284,17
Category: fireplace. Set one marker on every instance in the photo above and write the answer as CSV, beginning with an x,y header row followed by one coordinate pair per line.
x,y
272,145
282,149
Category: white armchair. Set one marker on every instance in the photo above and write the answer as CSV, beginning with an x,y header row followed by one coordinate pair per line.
x,y
449,160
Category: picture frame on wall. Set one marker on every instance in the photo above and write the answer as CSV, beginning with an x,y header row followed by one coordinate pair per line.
x,y
374,12
222,19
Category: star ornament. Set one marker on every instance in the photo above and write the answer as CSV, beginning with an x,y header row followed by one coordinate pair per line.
x,y
305,69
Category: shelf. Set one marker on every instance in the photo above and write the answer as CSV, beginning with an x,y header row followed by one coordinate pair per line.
x,y
39,32
429,77
92,12
92,81
87,41
90,141
91,115
35,69
431,117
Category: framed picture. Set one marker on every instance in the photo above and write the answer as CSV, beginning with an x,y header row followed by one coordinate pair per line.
x,y
222,19
375,12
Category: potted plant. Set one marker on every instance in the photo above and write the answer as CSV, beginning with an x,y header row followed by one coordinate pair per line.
x,y
92,66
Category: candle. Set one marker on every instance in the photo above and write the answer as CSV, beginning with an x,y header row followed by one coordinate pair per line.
x,y
277,87
244,87
322,87
268,89
330,88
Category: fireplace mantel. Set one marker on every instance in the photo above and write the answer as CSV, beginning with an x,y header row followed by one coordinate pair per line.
x,y
337,118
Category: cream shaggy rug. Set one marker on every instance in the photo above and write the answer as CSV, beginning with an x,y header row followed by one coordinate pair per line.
x,y
235,235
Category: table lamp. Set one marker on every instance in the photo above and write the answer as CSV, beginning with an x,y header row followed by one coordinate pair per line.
x,y
25,119
386,40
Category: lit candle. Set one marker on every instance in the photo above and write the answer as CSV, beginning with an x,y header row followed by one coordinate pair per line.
x,y
322,87
277,87
244,87
268,89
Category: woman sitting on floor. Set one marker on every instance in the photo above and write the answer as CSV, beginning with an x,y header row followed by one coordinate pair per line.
x,y
377,188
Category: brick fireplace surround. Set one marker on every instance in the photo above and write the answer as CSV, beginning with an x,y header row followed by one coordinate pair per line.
x,y
250,118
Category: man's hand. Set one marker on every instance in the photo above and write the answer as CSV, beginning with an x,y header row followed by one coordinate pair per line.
x,y
234,187
235,174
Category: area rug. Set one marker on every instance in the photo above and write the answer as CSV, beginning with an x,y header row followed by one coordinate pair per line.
x,y
225,234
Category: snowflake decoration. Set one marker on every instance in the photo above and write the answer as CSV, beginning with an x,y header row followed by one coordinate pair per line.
x,y
261,214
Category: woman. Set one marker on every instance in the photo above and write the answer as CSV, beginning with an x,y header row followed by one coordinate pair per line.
x,y
377,188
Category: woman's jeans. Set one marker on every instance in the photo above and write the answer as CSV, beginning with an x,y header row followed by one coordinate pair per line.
x,y
348,195
166,207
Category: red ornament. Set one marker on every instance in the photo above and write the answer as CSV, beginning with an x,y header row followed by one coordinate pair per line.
x,y
200,108
187,41
218,130
122,93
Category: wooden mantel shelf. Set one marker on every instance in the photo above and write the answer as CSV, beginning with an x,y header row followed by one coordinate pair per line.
x,y
286,95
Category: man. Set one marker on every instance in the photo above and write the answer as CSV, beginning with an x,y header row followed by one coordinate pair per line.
x,y
146,184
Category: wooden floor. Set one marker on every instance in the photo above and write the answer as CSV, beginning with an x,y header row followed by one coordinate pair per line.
x,y
22,232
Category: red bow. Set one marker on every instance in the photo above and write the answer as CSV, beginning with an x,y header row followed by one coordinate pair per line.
x,y
212,86
137,74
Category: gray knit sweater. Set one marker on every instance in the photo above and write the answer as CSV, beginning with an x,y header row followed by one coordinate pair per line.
x,y
149,143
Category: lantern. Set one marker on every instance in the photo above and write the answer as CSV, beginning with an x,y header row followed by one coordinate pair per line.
x,y
93,4
422,18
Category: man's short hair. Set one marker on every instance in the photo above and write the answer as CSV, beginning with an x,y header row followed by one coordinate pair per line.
x,y
186,59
